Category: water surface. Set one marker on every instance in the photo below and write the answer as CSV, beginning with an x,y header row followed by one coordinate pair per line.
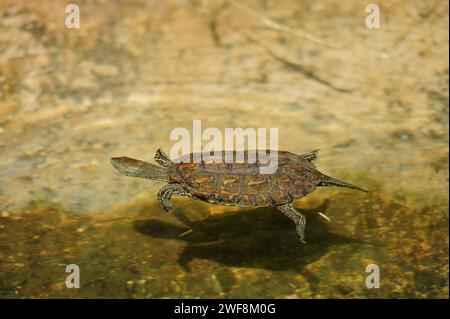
x,y
375,102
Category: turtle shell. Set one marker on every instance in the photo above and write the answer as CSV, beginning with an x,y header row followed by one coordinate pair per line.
x,y
241,183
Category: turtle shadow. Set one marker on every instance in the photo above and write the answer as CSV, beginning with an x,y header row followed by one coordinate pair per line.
x,y
258,238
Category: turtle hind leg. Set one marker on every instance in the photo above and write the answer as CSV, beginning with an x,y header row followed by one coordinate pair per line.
x,y
162,159
166,193
298,218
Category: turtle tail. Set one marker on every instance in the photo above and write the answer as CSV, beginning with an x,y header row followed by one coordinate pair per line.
x,y
331,181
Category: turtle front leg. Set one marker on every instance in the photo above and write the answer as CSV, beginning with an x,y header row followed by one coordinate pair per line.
x,y
166,193
298,218
162,159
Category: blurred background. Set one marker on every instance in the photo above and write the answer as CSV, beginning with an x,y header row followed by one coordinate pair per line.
x,y
374,101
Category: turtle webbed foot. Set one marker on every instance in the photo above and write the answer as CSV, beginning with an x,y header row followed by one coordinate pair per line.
x,y
298,218
301,233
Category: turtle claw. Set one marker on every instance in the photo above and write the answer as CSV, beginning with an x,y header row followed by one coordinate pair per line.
x,y
302,239
167,207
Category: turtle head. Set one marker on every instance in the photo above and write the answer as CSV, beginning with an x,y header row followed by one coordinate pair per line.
x,y
127,166
136,168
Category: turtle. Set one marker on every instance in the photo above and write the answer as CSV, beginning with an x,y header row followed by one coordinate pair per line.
x,y
235,183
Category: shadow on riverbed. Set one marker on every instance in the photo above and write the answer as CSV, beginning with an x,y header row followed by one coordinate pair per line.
x,y
259,238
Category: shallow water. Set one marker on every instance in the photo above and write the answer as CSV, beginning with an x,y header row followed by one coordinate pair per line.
x,y
375,103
